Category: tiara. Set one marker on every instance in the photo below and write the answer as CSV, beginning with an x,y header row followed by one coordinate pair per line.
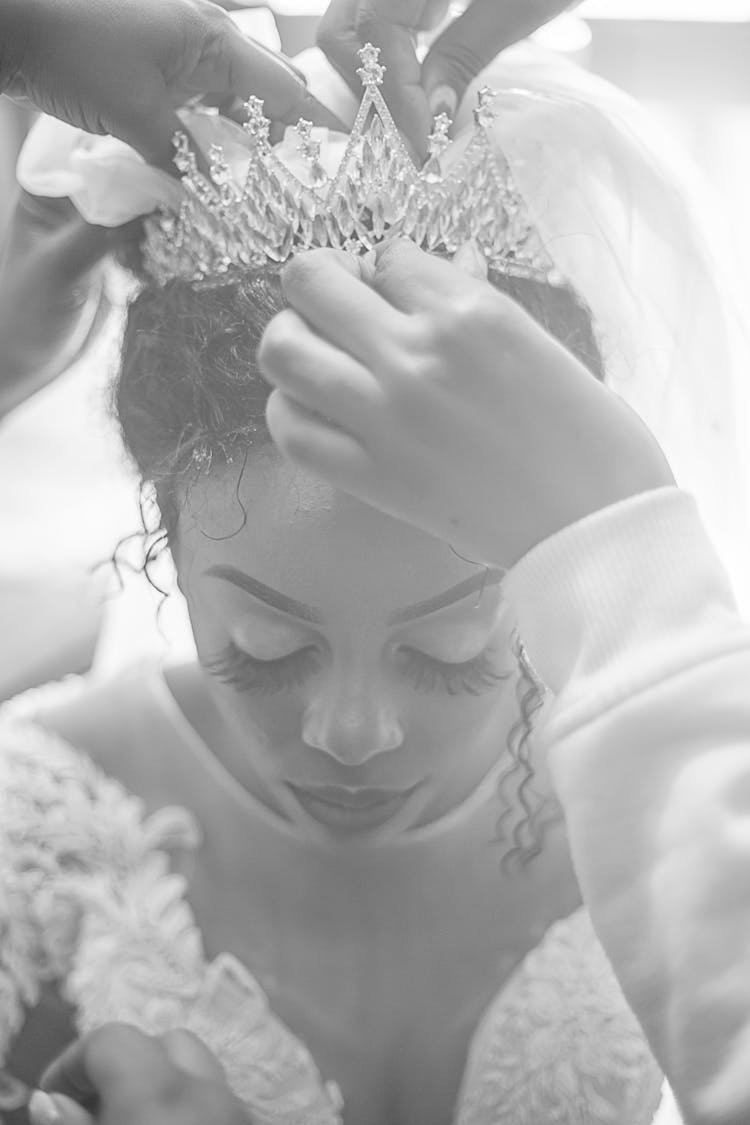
x,y
227,225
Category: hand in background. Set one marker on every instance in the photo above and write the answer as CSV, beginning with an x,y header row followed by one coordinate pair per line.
x,y
119,1076
123,67
51,297
416,92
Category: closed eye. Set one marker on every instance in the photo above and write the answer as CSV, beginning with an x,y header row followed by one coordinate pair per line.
x,y
249,673
471,677
426,674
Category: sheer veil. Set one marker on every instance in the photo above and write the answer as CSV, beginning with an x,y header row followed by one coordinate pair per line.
x,y
625,221
630,224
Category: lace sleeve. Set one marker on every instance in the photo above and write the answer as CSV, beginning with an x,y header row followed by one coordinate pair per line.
x,y
66,831
559,1044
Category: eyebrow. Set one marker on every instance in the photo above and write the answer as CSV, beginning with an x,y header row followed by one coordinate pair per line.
x,y
489,577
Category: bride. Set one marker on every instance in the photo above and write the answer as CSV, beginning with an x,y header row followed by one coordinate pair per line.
x,y
333,846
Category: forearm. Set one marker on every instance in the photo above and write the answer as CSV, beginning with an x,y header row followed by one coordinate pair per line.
x,y
14,15
629,619
28,365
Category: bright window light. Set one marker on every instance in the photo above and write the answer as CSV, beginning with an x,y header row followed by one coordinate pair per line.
x,y
688,11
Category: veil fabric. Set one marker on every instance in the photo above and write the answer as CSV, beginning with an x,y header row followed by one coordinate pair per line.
x,y
624,220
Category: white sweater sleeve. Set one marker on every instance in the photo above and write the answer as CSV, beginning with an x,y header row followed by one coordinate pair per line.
x,y
629,619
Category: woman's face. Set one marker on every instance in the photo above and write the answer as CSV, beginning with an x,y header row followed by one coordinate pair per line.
x,y
358,669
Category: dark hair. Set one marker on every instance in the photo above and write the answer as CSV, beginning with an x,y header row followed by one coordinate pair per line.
x,y
189,385
189,389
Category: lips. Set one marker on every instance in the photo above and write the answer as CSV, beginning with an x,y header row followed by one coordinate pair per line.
x,y
351,809
345,796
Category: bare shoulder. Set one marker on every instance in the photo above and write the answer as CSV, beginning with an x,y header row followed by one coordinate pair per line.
x,y
95,717
117,724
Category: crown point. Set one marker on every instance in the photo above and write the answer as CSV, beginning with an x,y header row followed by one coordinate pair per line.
x,y
256,125
310,149
438,140
485,113
371,72
184,157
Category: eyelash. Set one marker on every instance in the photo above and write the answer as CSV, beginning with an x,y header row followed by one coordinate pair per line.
x,y
265,677
472,677
247,673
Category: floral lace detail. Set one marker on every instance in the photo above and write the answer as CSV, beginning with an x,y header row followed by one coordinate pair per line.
x,y
559,1044
87,897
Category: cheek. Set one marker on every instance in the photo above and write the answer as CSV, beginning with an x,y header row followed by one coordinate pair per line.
x,y
456,721
273,720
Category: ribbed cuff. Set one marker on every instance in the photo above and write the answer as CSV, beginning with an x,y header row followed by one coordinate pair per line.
x,y
625,596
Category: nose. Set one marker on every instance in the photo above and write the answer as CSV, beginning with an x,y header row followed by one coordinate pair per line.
x,y
352,720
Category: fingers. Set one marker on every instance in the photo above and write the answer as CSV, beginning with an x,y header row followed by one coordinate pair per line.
x,y
119,1073
107,1059
45,1109
243,67
338,38
402,80
151,136
327,289
308,440
229,68
316,374
390,25
472,41
413,281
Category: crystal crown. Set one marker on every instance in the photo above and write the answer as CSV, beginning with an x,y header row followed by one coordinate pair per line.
x,y
224,227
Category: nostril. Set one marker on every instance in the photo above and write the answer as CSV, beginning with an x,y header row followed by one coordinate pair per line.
x,y
352,739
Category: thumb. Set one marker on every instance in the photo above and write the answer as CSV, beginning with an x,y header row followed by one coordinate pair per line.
x,y
56,1109
473,40
151,134
191,1054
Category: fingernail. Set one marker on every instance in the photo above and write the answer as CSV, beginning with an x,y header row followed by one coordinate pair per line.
x,y
42,1109
443,99
471,260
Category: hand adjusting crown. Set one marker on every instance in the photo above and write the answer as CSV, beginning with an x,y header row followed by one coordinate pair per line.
x,y
225,226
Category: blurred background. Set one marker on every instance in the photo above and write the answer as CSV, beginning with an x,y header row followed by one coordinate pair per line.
x,y
67,498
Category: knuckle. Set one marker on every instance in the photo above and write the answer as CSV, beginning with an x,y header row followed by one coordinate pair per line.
x,y
206,23
369,26
474,311
394,257
457,64
420,337
328,37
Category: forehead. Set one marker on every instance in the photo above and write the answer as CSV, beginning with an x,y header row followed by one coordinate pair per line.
x,y
309,540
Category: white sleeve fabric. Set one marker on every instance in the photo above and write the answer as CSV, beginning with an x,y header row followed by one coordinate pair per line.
x,y
629,619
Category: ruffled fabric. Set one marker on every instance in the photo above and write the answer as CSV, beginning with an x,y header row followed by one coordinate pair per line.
x,y
558,1045
88,898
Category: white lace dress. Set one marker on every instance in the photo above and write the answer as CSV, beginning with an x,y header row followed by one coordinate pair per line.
x,y
88,899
